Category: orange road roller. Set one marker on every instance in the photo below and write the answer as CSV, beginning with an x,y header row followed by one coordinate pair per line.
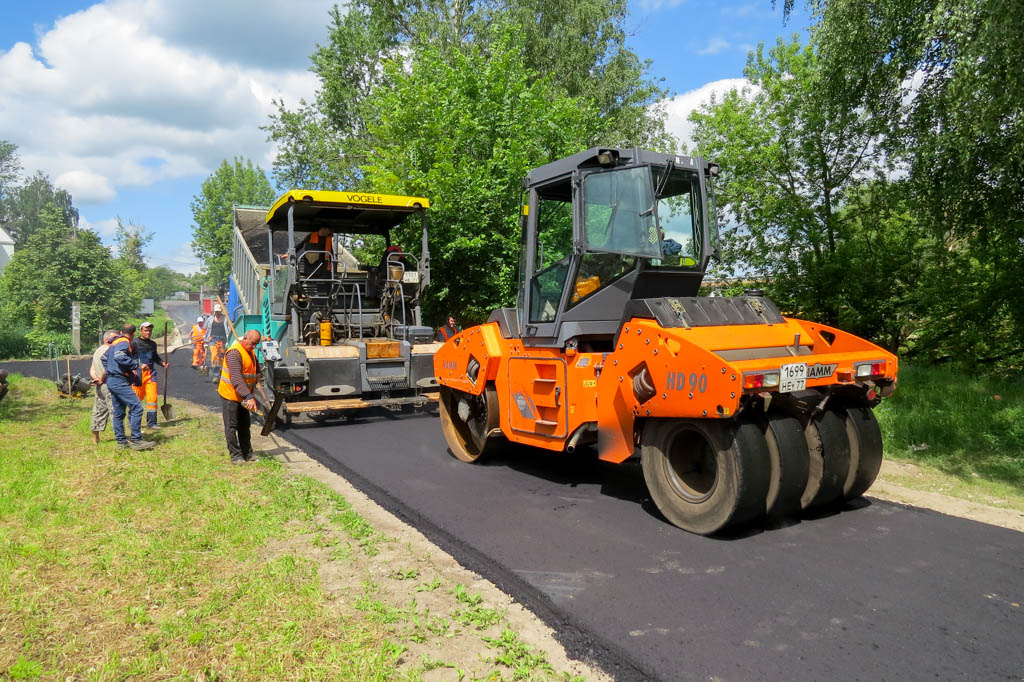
x,y
735,411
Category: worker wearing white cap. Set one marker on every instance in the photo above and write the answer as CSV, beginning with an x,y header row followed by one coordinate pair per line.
x,y
217,337
198,337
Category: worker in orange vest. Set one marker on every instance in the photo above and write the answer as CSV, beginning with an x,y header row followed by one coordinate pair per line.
x,y
448,329
238,378
318,247
198,336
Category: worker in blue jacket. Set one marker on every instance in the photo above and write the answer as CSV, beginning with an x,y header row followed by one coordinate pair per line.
x,y
123,372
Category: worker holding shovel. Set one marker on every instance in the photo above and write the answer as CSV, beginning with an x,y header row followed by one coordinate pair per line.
x,y
149,358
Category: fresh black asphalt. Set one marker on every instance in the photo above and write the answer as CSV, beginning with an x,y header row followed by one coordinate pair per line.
x,y
872,590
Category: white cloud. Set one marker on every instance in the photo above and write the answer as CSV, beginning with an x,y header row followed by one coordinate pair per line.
x,y
714,46
105,228
677,109
132,92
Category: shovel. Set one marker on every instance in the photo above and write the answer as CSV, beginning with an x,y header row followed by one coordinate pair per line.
x,y
165,409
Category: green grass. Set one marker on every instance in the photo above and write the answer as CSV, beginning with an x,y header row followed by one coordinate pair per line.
x,y
174,564
962,424
162,564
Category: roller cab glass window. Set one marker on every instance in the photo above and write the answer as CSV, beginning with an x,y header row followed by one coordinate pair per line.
x,y
619,213
680,217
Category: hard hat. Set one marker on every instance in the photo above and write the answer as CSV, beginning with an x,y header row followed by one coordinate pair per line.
x,y
217,308
145,324
199,319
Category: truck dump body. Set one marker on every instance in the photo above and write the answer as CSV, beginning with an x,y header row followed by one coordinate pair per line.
x,y
735,410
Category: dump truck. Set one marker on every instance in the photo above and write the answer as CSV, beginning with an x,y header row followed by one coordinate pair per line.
x,y
735,411
336,301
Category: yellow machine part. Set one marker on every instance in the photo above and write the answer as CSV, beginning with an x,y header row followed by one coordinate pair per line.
x,y
326,333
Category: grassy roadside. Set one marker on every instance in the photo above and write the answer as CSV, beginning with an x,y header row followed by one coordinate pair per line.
x,y
965,433
174,564
159,318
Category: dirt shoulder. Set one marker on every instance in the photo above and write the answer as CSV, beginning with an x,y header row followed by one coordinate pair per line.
x,y
409,553
907,483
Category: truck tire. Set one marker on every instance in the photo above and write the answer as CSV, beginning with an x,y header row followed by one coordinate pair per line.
x,y
704,475
467,438
865,450
828,459
787,454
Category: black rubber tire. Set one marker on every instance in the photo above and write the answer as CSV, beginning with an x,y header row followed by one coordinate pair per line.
x,y
828,451
865,450
787,454
468,441
704,475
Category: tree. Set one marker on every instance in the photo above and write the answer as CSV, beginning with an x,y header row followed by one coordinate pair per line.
x,y
24,205
790,162
10,166
131,241
945,78
463,129
59,265
579,45
238,183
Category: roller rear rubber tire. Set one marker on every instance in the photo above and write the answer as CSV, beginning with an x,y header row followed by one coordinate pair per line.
x,y
865,450
787,453
704,475
828,450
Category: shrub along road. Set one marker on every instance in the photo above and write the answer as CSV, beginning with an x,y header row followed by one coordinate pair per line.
x,y
869,590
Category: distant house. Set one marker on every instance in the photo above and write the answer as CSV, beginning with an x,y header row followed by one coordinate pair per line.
x,y
6,249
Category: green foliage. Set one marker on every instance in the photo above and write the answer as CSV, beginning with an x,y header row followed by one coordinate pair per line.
x,y
463,129
578,45
161,283
942,79
792,164
958,421
238,183
131,241
23,208
59,265
10,166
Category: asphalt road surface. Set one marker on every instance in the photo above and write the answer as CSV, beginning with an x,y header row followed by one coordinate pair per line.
x,y
872,590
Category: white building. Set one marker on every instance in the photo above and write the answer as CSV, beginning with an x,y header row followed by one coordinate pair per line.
x,y
6,249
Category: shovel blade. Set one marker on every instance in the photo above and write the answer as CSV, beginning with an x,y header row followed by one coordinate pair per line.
x,y
271,416
168,412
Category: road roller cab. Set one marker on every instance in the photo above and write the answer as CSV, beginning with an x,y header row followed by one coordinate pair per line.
x,y
735,410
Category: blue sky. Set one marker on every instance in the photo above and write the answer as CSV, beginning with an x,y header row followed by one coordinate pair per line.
x,y
131,104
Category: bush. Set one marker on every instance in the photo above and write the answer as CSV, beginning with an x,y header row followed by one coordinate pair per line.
x,y
13,343
39,341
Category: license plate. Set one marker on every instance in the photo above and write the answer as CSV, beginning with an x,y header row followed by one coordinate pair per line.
x,y
793,377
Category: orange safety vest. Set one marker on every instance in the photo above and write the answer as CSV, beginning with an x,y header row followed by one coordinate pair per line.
x,y
447,333
198,333
314,240
249,373
114,343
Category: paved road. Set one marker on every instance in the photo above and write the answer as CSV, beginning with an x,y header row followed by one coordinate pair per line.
x,y
868,591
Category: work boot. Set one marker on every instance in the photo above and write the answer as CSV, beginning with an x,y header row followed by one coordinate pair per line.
x,y
237,461
141,444
250,457
122,446
154,426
